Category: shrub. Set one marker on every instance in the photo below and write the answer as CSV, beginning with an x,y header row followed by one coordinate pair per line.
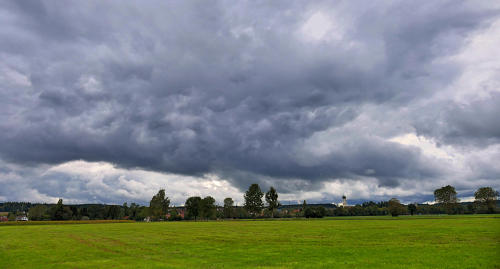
x,y
316,212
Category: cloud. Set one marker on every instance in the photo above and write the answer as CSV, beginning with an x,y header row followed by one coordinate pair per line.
x,y
298,96
474,123
100,182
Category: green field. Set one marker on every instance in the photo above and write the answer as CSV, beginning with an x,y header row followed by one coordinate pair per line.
x,y
363,242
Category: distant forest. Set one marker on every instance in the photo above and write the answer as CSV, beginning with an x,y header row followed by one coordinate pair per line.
x,y
197,208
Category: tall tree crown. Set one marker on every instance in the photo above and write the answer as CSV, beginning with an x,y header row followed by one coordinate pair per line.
x,y
446,194
193,205
159,205
272,199
486,194
253,199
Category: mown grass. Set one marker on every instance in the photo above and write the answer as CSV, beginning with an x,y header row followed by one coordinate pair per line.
x,y
377,242
52,222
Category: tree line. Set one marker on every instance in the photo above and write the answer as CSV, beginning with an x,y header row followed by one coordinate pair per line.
x,y
257,204
60,211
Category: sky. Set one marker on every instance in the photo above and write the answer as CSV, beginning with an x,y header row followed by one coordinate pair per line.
x,y
110,101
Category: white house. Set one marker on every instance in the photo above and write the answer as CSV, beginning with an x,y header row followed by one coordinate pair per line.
x,y
21,218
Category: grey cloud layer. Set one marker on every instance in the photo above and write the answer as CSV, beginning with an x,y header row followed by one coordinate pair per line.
x,y
236,89
475,123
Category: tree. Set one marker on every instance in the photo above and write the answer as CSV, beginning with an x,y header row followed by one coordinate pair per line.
x,y
57,213
447,196
395,207
272,200
84,213
11,216
126,211
241,213
412,208
38,212
158,205
317,212
228,208
96,212
207,208
142,213
487,197
134,211
113,212
60,212
75,212
193,205
253,199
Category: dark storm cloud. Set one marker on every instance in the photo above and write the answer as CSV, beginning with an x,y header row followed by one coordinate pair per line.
x,y
475,123
231,88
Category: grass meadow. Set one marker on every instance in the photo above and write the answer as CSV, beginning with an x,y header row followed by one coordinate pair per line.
x,y
341,242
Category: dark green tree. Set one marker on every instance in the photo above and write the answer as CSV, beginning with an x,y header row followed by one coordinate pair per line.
x,y
11,216
487,197
113,212
241,213
412,208
302,210
470,209
207,208
193,205
75,213
84,213
395,207
316,212
142,213
272,200
158,205
134,211
38,212
58,211
96,212
126,210
253,199
448,197
228,208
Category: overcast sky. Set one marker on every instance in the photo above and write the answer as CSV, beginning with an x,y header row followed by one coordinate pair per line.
x,y
109,101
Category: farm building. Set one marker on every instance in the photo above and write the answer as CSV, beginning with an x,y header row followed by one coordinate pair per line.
x,y
21,218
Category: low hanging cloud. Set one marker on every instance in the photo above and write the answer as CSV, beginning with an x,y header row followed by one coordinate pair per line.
x,y
307,97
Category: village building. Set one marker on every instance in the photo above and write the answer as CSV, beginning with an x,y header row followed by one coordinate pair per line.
x,y
180,213
21,218
4,216
344,202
